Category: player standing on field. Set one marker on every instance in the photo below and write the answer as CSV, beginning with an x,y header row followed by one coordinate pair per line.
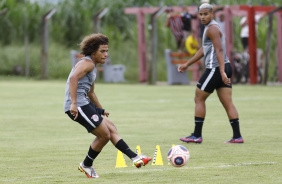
x,y
82,105
216,76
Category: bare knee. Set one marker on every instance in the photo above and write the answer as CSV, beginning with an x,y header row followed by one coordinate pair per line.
x,y
224,103
196,99
105,137
108,136
227,104
200,96
199,100
111,126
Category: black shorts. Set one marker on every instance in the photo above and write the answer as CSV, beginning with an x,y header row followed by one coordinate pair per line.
x,y
211,79
89,116
179,42
245,42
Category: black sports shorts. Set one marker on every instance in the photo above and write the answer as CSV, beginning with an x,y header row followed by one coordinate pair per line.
x,y
179,42
245,42
211,79
89,116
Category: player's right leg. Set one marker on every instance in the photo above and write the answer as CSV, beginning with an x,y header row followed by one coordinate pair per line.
x,y
89,117
102,138
200,113
88,171
200,102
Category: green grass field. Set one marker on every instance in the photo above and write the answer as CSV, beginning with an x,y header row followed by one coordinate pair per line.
x,y
40,144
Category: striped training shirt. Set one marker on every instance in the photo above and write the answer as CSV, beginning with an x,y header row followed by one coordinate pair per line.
x,y
176,26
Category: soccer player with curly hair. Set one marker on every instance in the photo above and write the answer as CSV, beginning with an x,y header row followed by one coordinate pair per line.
x,y
82,105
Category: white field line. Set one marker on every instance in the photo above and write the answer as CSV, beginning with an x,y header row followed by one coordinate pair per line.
x,y
204,167
144,170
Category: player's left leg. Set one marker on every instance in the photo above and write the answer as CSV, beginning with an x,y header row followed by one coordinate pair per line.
x,y
118,142
225,97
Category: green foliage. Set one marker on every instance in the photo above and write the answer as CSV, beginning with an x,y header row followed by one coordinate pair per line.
x,y
22,18
74,19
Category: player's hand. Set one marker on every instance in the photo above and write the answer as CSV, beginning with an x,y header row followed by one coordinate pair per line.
x,y
106,113
74,111
225,79
182,68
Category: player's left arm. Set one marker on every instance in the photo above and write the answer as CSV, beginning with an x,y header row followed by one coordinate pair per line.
x,y
94,99
214,34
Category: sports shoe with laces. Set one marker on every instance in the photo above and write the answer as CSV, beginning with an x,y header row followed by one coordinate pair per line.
x,y
141,160
89,171
192,138
238,140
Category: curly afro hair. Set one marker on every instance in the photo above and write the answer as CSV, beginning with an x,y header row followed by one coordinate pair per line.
x,y
91,43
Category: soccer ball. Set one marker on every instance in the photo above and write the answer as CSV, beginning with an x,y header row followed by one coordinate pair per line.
x,y
178,156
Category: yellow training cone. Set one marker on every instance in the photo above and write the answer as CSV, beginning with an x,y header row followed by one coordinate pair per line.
x,y
138,150
120,160
158,160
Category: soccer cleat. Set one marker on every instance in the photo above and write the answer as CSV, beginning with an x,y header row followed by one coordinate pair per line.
x,y
192,138
89,171
238,140
141,160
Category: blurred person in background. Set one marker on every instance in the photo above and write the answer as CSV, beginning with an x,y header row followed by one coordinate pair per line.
x,y
221,23
244,34
191,43
187,22
174,21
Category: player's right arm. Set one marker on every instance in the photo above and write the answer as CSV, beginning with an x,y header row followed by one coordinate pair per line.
x,y
199,54
81,69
